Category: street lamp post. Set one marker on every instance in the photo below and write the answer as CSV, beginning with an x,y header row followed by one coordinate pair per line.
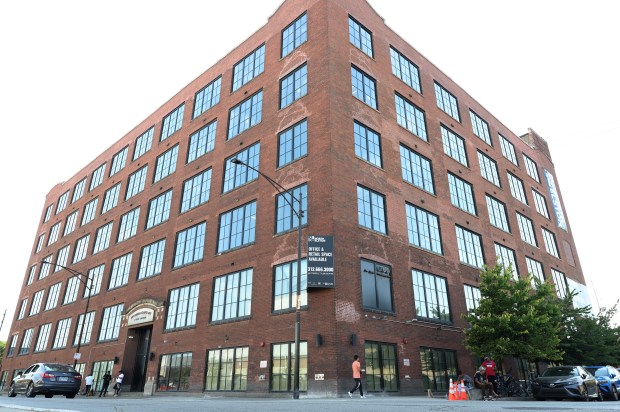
x,y
86,284
300,214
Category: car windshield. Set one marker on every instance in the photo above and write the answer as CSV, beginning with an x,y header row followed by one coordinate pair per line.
x,y
561,371
602,371
56,367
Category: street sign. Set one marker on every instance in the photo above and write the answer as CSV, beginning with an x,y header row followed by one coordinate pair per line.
x,y
320,261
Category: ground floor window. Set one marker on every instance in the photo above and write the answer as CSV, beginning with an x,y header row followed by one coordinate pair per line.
x,y
3,377
174,371
525,368
381,367
81,367
438,366
99,369
227,369
283,366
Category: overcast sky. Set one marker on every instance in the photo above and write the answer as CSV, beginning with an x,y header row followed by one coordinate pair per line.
x,y
76,76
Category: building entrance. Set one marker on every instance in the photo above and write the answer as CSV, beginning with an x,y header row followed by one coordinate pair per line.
x,y
142,342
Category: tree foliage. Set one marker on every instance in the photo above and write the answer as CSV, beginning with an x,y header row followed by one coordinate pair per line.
x,y
2,346
514,318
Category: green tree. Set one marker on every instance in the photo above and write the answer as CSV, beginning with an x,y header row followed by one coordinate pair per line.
x,y
514,318
2,346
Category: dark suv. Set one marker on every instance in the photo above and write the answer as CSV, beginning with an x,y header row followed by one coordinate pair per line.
x,y
47,378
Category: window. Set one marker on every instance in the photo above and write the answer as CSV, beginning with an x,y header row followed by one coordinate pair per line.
x,y
152,259
159,209
207,97
430,296
535,269
62,202
246,114
416,169
364,87
232,296
71,293
45,267
3,378
143,143
367,144
559,279
52,296
488,169
110,198
182,307
36,303
381,367
172,122
31,273
95,275
202,141
99,369
508,149
118,161
129,225
423,229
119,275
286,218
293,143
39,243
90,210
84,331
61,258
135,183
54,231
285,286
526,227
249,67
174,372
189,246
462,194
371,210
294,35
97,178
405,70
454,145
237,227
48,213
196,191
507,259
516,188
78,191
541,204
360,37
438,368
166,164
283,366
236,175
294,86
551,246
12,346
410,117
376,286
102,238
227,369
472,297
531,168
26,342
111,322
70,225
480,127
81,246
447,102
497,214
22,309
62,333
470,247
43,338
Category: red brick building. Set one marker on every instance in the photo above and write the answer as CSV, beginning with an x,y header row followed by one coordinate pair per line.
x,y
191,258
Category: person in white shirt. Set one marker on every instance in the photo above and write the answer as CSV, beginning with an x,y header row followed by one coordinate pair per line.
x,y
119,382
89,384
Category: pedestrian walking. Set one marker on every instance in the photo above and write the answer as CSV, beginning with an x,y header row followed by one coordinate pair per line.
x,y
357,376
88,381
118,383
106,378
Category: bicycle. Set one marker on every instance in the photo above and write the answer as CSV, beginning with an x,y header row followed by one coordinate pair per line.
x,y
508,386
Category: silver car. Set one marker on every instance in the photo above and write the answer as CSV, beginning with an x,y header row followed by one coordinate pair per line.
x,y
562,382
48,379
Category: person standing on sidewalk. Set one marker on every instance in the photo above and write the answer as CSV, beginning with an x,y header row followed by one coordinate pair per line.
x,y
490,369
89,384
106,378
357,376
119,382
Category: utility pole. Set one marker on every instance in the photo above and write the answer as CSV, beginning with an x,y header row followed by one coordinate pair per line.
x,y
2,323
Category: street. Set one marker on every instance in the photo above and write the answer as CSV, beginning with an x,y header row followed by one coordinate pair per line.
x,y
214,404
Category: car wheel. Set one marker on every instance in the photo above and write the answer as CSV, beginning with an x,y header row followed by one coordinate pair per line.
x,y
70,395
599,395
49,395
586,396
614,393
12,392
30,391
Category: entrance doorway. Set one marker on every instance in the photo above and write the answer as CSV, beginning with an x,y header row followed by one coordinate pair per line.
x,y
142,338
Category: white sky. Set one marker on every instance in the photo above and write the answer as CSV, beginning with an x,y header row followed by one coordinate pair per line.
x,y
75,76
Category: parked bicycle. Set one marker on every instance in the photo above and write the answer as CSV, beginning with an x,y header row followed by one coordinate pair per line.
x,y
507,386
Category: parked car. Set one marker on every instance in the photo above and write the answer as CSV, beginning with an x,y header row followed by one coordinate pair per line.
x,y
47,378
608,379
565,382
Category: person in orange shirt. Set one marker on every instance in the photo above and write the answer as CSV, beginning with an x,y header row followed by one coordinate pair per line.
x,y
357,376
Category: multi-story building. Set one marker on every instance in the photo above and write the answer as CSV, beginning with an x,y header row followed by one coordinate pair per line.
x,y
189,259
